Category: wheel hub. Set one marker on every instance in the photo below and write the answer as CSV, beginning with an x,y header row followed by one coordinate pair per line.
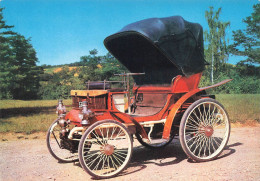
x,y
209,131
108,149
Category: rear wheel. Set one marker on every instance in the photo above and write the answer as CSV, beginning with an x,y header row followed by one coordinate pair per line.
x,y
204,130
110,151
59,146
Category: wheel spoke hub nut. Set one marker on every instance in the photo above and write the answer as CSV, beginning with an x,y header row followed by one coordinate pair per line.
x,y
209,131
108,149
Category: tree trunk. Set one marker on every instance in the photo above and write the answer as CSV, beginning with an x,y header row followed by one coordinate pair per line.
x,y
212,67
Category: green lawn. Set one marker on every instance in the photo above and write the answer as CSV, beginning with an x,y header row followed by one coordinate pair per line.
x,y
28,116
241,107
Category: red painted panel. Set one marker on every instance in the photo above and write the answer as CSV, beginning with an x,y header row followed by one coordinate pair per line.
x,y
186,84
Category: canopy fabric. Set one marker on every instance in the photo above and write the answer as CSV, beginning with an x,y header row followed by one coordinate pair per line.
x,y
160,47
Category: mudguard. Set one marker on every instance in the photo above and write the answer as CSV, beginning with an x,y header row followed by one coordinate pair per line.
x,y
177,105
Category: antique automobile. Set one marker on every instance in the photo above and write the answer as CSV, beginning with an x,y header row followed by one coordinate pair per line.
x,y
165,58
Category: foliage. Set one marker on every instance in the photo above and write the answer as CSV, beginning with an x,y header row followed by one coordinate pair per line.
x,y
241,84
19,75
246,42
56,85
216,42
60,84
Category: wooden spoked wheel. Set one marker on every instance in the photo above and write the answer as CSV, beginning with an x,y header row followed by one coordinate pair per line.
x,y
60,147
105,149
204,130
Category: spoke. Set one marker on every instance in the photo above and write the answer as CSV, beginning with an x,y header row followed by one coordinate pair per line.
x,y
198,142
117,159
206,146
118,134
96,167
104,160
201,115
113,131
116,153
212,143
196,115
121,153
211,116
97,138
215,122
113,163
220,124
208,114
220,139
91,163
191,133
201,146
194,137
108,164
191,126
88,156
107,133
209,145
191,118
56,140
101,133
215,142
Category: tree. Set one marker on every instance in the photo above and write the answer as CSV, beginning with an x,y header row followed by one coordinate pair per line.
x,y
19,75
5,54
90,64
216,41
246,42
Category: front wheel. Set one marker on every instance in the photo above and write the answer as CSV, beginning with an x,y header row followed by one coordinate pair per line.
x,y
110,151
204,130
59,146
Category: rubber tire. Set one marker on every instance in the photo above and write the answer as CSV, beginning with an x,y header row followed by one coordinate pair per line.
x,y
182,127
51,151
82,143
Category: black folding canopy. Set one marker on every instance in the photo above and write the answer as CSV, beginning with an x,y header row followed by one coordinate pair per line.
x,y
160,47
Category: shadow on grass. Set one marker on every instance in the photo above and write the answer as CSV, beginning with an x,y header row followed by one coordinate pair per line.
x,y
26,111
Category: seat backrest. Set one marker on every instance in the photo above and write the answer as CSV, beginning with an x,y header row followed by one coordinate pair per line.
x,y
183,84
98,85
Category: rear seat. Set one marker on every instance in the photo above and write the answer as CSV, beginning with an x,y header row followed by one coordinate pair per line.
x,y
98,85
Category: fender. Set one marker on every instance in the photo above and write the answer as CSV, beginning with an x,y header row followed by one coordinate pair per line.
x,y
177,105
122,118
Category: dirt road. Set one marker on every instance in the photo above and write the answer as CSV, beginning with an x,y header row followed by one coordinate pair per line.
x,y
30,160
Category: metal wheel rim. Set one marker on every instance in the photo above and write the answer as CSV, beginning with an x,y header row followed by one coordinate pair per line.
x,y
200,143
96,160
54,144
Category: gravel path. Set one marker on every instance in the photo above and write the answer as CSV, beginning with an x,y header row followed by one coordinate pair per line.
x,y
30,160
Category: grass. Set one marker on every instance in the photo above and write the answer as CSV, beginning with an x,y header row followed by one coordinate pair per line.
x,y
6,104
36,116
241,108
27,116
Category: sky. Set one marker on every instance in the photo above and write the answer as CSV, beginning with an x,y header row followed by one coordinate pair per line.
x,y
62,31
